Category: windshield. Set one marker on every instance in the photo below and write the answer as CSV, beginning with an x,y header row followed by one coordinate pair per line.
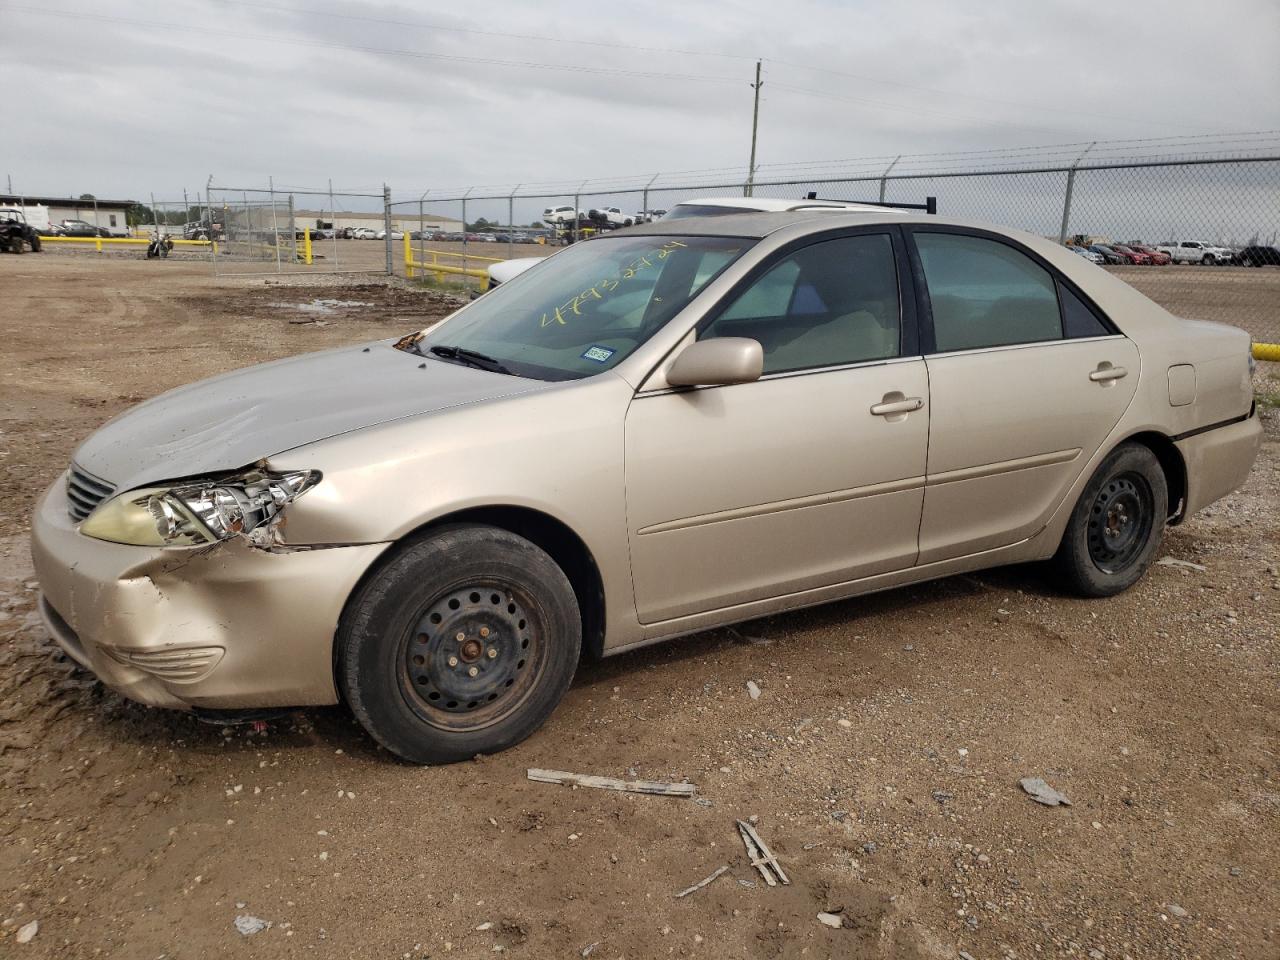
x,y
586,309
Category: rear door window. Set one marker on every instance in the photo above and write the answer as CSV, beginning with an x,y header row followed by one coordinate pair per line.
x,y
984,293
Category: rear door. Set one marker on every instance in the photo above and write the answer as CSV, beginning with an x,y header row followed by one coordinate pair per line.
x,y
1027,379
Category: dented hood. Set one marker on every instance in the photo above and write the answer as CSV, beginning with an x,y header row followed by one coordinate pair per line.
x,y
235,419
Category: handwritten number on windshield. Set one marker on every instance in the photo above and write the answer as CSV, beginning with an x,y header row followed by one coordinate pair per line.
x,y
574,304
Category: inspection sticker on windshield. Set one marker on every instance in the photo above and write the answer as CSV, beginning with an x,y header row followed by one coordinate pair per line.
x,y
598,354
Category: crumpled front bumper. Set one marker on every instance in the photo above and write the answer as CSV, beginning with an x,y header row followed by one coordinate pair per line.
x,y
225,626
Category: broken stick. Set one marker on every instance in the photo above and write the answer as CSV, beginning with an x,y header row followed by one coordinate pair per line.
x,y
761,856
656,787
702,883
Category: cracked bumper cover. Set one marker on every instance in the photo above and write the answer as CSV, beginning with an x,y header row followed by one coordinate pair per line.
x,y
224,626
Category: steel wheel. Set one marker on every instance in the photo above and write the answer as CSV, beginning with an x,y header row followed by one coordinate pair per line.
x,y
1120,522
1116,525
473,655
460,643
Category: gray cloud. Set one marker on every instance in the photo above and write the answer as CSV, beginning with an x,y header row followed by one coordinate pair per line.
x,y
134,108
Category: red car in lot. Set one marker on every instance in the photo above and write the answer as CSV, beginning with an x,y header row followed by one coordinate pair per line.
x,y
1158,257
1135,256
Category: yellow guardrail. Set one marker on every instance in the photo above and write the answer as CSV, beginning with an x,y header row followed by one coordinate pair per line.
x,y
1267,351
411,266
124,241
302,254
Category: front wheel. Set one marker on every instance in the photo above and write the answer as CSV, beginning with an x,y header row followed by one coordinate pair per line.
x,y
462,644
1117,524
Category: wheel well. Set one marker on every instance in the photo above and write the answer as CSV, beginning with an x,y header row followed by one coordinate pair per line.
x,y
563,546
1175,470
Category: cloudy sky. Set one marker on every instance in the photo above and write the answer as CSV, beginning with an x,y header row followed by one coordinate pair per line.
x,y
136,97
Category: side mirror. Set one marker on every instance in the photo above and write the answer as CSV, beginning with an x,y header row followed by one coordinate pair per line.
x,y
717,362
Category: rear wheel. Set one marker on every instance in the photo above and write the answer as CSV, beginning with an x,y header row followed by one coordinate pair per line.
x,y
1117,524
462,644
15,243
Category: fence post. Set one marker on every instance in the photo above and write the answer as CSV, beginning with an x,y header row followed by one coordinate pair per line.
x,y
275,223
1066,201
884,177
293,233
464,230
422,228
511,220
386,224
644,199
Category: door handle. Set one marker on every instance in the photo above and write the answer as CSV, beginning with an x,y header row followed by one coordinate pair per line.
x,y
895,404
1106,373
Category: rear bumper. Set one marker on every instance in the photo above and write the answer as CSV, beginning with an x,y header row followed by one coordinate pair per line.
x,y
1219,460
224,627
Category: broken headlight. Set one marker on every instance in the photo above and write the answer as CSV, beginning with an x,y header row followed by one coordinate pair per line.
x,y
192,514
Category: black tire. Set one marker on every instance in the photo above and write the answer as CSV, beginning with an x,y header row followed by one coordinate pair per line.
x,y
1117,524
428,696
1206,260
15,243
35,243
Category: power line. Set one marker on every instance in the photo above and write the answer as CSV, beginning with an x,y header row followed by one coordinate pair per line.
x,y
862,78
423,25
383,51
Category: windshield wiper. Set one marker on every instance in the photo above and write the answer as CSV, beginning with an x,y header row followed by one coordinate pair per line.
x,y
471,358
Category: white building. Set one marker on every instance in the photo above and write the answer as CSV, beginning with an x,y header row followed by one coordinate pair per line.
x,y
109,214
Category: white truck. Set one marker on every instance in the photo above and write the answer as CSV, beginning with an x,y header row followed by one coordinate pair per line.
x,y
1196,251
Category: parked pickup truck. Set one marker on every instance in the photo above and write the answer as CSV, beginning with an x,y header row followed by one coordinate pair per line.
x,y
1195,251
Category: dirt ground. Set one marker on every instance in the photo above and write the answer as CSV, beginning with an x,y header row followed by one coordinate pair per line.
x,y
882,757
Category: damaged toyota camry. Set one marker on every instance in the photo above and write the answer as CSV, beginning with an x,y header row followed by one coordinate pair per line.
x,y
650,434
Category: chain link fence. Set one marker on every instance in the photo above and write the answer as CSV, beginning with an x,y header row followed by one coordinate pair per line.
x,y
272,230
1226,203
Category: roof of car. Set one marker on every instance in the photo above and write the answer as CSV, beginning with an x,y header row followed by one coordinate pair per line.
x,y
758,225
778,204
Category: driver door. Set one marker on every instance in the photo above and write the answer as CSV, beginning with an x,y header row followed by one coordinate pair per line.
x,y
810,476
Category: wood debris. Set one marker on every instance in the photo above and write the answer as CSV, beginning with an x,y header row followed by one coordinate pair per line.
x,y
720,871
761,856
656,787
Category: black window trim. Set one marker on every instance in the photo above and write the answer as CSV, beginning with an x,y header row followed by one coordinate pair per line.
x,y
924,307
908,328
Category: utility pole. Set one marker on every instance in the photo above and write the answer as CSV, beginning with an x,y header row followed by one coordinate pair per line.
x,y
755,125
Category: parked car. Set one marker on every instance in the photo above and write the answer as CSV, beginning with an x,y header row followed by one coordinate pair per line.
x,y
1087,254
1257,256
395,235
1135,256
1109,254
738,417
647,216
559,216
1196,251
1158,257
15,233
81,228
364,233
